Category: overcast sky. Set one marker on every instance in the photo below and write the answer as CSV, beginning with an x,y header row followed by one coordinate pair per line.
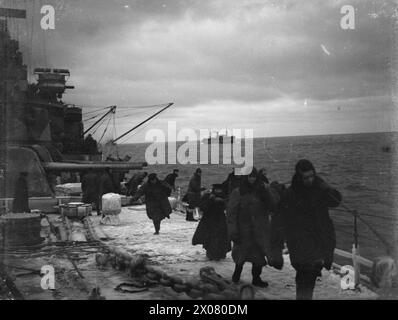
x,y
279,67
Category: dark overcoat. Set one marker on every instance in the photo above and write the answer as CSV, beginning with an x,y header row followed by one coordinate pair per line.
x,y
194,191
248,223
212,230
308,228
157,203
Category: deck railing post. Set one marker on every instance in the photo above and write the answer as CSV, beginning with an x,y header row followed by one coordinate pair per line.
x,y
356,264
355,251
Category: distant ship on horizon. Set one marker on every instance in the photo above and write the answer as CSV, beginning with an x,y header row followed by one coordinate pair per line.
x,y
219,138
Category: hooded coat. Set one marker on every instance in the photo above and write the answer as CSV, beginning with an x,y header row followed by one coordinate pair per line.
x,y
171,181
157,203
231,183
212,230
134,182
194,190
307,226
249,222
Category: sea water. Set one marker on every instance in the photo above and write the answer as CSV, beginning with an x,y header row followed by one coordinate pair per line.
x,y
363,167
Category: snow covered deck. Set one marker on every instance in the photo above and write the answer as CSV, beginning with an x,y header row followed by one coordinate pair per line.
x,y
173,252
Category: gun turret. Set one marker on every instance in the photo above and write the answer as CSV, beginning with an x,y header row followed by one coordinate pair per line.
x,y
52,82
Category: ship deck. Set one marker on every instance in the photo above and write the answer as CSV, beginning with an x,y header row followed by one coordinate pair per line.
x,y
171,251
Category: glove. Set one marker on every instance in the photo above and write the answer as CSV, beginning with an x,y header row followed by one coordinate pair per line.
x,y
322,184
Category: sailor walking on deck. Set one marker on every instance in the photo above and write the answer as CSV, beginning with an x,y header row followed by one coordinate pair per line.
x,y
232,182
308,229
249,225
171,181
212,230
136,180
194,193
156,201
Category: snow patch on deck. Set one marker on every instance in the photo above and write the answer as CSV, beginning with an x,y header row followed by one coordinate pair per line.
x,y
173,251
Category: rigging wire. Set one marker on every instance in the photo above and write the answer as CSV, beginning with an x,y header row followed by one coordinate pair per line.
x,y
93,111
99,125
92,118
130,114
117,116
123,107
114,135
106,128
136,132
114,126
143,107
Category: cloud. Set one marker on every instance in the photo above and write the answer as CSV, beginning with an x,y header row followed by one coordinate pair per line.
x,y
219,52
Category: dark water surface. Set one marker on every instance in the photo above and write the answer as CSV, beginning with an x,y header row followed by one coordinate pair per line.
x,y
358,165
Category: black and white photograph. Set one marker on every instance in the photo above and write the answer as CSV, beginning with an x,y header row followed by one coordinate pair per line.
x,y
198,155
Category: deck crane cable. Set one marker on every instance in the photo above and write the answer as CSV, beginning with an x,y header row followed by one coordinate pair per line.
x,y
91,118
131,114
143,122
99,124
93,111
114,135
120,114
114,126
136,132
124,108
111,110
141,107
106,128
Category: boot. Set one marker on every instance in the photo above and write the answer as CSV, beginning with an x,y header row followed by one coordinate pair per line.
x,y
157,227
237,273
305,284
256,271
